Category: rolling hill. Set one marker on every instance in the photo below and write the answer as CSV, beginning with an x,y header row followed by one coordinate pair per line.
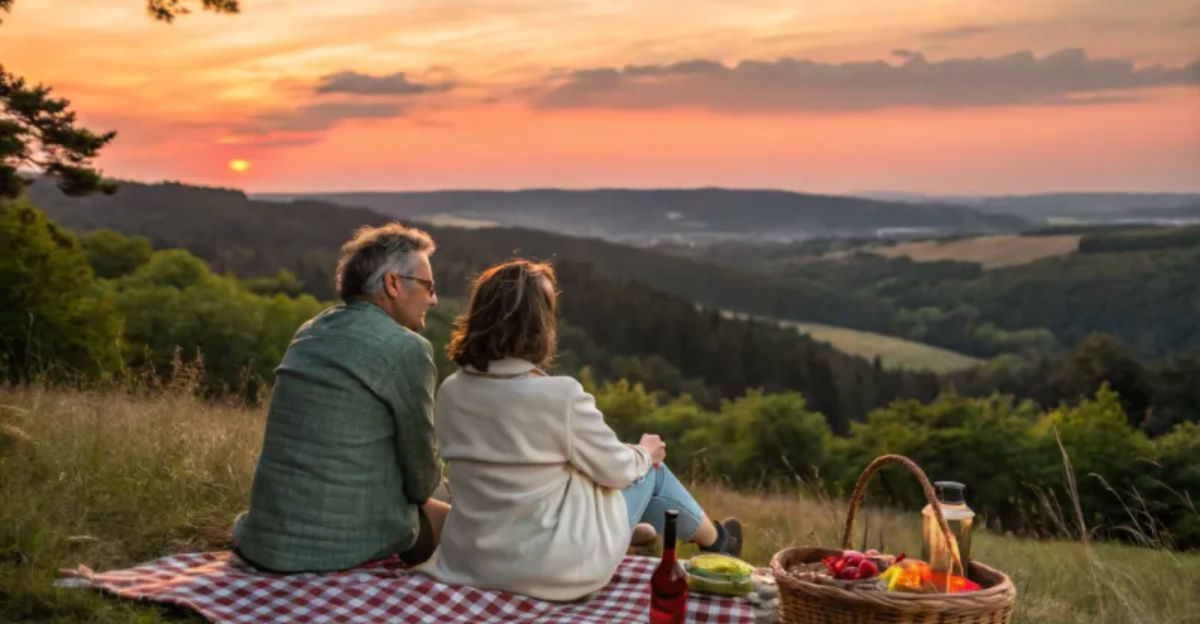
x,y
647,216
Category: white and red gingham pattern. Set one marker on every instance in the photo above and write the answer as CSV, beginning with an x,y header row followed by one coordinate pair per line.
x,y
221,588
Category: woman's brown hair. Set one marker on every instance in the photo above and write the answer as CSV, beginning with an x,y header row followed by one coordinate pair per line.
x,y
510,314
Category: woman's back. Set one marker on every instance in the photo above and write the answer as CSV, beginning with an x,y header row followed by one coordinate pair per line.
x,y
536,478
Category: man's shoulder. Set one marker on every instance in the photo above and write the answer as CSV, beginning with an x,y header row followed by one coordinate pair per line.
x,y
411,345
361,329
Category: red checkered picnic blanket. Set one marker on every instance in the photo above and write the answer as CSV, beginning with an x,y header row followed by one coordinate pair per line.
x,y
223,589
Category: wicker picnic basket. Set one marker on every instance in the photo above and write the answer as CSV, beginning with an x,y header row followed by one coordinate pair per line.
x,y
809,598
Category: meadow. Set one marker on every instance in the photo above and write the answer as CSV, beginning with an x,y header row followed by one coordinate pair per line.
x,y
989,251
113,476
894,353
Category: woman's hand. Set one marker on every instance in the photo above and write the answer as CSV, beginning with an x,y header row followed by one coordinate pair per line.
x,y
655,446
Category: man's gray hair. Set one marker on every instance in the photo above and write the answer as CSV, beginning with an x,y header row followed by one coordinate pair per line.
x,y
374,251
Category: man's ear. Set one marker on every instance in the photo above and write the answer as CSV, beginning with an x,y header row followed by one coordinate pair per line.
x,y
391,285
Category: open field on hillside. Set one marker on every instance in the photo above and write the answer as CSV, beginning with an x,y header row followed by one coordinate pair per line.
x,y
895,353
989,251
109,479
449,220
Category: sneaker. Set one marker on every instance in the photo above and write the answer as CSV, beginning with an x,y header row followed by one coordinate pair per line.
x,y
733,537
729,538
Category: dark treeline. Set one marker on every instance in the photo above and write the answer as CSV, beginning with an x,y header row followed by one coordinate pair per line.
x,y
231,233
1147,298
729,355
1141,239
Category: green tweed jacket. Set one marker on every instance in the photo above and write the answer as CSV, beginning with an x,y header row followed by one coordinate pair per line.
x,y
349,451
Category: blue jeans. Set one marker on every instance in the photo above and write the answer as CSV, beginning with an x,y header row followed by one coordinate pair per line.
x,y
648,499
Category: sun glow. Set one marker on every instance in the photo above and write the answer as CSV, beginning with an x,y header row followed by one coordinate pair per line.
x,y
239,165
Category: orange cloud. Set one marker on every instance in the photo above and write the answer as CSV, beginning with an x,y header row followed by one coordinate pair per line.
x,y
1064,77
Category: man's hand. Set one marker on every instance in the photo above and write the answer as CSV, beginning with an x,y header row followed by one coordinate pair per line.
x,y
655,446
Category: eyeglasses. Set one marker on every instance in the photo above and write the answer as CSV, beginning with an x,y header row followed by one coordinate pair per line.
x,y
428,284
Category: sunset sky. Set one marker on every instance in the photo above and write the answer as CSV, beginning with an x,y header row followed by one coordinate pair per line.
x,y
937,96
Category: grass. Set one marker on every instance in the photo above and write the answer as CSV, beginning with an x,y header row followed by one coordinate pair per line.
x,y
895,353
449,220
112,478
989,251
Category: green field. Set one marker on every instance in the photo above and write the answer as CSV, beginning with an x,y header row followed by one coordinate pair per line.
x,y
895,353
989,251
113,477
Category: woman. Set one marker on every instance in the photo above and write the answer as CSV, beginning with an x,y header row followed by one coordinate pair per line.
x,y
545,496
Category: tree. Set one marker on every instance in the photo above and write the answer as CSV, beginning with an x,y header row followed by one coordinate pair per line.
x,y
763,437
1173,498
51,312
113,255
1106,457
175,302
168,10
1178,399
40,132
1103,359
979,442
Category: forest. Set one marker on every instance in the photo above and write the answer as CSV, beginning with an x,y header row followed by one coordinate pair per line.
x,y
1138,284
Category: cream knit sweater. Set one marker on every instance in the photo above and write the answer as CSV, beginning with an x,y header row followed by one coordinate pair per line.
x,y
536,477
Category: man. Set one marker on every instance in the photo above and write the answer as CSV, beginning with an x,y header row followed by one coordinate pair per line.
x,y
348,463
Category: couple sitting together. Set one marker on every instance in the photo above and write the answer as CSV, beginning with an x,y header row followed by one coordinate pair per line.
x,y
545,498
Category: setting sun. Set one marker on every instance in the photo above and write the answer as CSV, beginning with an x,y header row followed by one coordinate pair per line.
x,y
239,165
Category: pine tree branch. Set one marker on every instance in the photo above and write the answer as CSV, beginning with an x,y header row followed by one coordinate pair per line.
x,y
168,10
41,132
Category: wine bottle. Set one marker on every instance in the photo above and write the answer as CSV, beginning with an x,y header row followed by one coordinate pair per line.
x,y
668,584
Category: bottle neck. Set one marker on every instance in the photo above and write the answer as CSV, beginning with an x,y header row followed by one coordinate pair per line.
x,y
669,538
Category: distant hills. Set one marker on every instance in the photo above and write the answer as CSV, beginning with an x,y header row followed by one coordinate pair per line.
x,y
1163,208
650,216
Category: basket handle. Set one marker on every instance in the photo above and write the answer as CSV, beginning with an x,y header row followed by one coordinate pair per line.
x,y
861,486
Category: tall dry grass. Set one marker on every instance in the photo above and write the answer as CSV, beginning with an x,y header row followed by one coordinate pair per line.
x,y
115,476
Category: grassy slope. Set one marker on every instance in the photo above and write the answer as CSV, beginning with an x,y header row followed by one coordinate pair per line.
x,y
112,479
896,353
989,251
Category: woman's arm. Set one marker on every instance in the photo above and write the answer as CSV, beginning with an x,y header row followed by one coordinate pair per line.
x,y
595,449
